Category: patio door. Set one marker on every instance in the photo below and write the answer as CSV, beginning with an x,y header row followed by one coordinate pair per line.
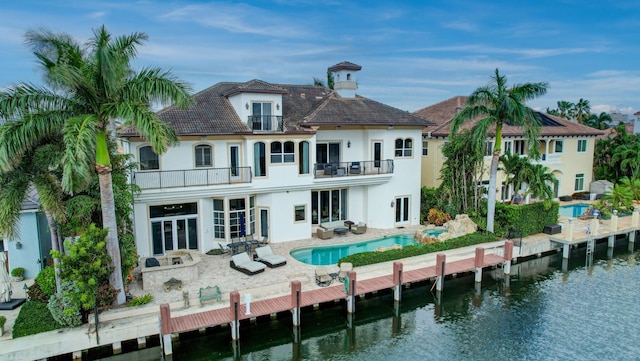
x,y
377,154
264,223
173,234
234,160
402,210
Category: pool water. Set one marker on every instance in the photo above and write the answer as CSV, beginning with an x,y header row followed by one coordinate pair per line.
x,y
434,232
327,255
573,210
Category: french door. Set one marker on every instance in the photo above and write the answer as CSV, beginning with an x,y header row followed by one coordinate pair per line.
x,y
173,233
402,210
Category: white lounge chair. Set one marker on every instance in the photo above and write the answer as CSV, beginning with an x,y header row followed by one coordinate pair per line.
x,y
244,264
266,256
323,278
344,268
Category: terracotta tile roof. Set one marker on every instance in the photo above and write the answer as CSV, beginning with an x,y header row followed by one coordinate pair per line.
x,y
442,113
302,106
611,132
345,65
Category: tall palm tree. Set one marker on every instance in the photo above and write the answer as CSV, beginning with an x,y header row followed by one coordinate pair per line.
x,y
540,181
89,89
581,110
601,121
565,109
492,106
513,166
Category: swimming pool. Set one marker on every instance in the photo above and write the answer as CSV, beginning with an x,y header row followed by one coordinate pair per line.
x,y
573,210
326,255
434,232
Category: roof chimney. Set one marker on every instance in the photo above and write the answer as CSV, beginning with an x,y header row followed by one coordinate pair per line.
x,y
345,81
459,106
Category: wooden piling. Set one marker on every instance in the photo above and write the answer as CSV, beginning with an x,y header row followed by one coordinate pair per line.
x,y
397,281
235,315
165,329
296,297
441,259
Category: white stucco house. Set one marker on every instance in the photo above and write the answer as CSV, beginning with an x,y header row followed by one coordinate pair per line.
x,y
276,161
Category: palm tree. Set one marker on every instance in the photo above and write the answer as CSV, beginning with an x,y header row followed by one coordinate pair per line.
x,y
581,110
492,106
90,88
513,166
601,121
565,109
540,181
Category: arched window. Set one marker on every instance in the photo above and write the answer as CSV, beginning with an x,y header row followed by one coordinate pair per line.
x,y
348,76
404,147
148,159
203,156
259,159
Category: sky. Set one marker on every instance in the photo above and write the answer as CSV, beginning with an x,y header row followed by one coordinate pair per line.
x,y
413,53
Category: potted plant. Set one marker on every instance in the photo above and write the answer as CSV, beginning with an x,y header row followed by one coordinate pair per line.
x,y
2,322
17,274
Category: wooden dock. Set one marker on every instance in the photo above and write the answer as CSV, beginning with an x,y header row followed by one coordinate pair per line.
x,y
298,299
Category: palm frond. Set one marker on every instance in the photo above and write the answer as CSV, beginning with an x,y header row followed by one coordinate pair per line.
x,y
79,156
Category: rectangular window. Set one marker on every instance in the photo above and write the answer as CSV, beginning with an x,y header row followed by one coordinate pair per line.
x,y
520,147
234,160
300,213
582,145
579,182
488,149
289,152
425,147
203,156
508,146
218,218
559,146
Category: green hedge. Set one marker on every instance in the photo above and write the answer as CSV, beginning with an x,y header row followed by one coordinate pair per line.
x,y
366,258
528,218
34,317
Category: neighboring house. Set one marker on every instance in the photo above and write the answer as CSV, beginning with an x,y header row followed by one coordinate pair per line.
x,y
566,148
31,250
276,161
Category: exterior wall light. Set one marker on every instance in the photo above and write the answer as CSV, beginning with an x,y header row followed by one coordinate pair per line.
x,y
348,144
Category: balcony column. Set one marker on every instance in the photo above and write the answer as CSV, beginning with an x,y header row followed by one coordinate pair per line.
x,y
546,149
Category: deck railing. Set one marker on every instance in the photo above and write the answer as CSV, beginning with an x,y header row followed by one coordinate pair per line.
x,y
191,177
354,168
265,123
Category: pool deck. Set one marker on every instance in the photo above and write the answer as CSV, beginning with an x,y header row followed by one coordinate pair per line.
x,y
121,324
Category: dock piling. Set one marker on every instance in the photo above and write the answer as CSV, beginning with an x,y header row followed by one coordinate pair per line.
x,y
235,315
165,329
351,292
397,281
479,263
508,256
296,293
441,259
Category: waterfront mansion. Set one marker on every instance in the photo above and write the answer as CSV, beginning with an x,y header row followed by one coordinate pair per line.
x,y
275,161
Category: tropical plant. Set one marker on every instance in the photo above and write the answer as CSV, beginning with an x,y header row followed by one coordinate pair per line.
x,y
565,109
87,265
46,280
63,307
513,166
90,88
142,300
601,121
620,198
34,317
492,106
581,110
539,181
17,272
437,217
610,153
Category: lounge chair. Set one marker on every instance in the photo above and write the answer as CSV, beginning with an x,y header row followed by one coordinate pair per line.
x,y
266,256
359,229
323,279
244,264
355,168
324,233
344,268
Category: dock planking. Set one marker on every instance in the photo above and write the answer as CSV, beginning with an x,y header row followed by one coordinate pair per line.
x,y
279,304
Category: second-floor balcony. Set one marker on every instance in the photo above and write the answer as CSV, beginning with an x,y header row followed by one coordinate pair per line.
x,y
191,177
265,123
350,169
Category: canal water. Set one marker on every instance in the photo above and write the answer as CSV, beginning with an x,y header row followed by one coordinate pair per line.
x,y
548,310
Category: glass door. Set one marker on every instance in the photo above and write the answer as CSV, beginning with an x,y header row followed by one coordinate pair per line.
x,y
174,234
402,210
377,154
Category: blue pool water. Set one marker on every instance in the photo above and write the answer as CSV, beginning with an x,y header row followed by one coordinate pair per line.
x,y
573,210
322,256
434,232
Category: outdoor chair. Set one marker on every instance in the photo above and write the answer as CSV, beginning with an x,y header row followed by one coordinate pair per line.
x,y
265,255
324,233
359,229
355,168
224,250
323,279
344,268
244,264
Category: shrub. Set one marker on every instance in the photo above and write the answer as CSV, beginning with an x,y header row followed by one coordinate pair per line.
x,y
3,320
17,272
62,307
106,295
46,279
142,300
366,258
36,293
34,317
437,217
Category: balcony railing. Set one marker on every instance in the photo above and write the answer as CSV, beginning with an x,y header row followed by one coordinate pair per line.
x,y
191,177
352,169
265,123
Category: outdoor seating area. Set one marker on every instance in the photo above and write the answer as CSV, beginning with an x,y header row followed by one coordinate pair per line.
x,y
324,233
360,228
323,278
180,264
209,293
244,244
